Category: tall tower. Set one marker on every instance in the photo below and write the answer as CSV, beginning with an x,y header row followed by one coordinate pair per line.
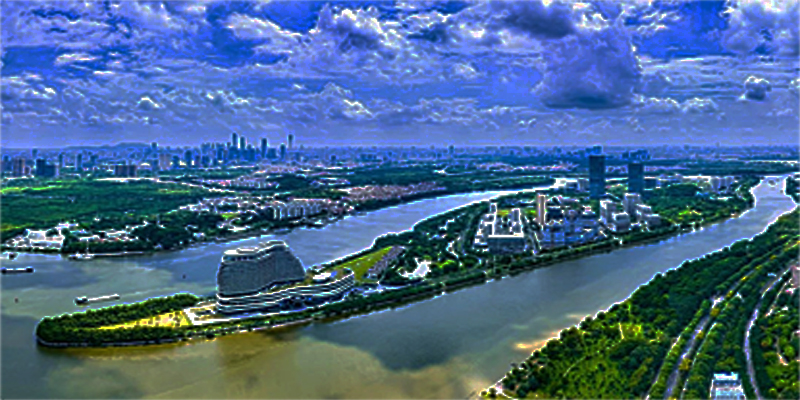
x,y
283,151
264,146
235,140
290,140
636,177
597,176
242,143
541,209
79,163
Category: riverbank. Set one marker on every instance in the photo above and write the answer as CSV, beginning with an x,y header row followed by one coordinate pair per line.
x,y
645,325
393,298
313,223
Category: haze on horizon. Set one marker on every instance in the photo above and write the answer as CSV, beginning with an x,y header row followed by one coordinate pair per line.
x,y
400,73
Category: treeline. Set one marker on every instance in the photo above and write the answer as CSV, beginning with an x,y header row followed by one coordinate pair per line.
x,y
594,361
82,327
775,346
683,204
84,200
793,189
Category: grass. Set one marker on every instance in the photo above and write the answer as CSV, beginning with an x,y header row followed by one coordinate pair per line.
x,y
229,215
361,265
174,319
503,212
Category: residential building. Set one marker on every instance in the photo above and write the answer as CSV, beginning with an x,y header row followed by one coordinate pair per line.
x,y
630,202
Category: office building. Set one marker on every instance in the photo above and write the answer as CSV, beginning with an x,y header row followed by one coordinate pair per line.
x,y
264,146
607,211
60,160
79,163
283,151
636,177
290,140
541,209
583,185
621,222
727,387
19,167
34,153
242,143
630,202
597,176
234,140
45,170
125,171
164,161
176,162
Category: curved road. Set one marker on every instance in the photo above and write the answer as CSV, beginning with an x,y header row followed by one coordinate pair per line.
x,y
750,369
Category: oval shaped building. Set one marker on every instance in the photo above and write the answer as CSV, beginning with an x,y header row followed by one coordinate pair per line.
x,y
249,270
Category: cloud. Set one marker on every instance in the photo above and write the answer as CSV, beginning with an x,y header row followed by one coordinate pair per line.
x,y
65,59
698,105
756,88
465,71
540,20
762,23
252,28
595,68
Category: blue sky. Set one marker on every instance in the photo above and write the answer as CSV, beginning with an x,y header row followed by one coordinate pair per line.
x,y
400,73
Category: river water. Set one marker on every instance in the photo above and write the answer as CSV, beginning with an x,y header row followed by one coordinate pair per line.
x,y
446,347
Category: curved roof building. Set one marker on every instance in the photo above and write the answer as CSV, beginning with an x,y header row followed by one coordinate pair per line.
x,y
250,270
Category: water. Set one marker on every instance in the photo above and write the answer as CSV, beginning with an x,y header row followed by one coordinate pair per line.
x,y
447,347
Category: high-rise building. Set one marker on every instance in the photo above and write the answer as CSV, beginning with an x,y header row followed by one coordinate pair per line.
x,y
34,153
176,162
125,171
541,209
597,176
60,160
164,161
290,140
235,140
636,177
18,167
154,147
283,151
79,163
264,145
630,202
187,158
242,144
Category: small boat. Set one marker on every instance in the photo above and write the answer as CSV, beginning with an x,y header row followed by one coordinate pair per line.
x,y
26,270
86,300
281,231
11,255
81,257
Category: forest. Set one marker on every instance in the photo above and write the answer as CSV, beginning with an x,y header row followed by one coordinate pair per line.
x,y
619,352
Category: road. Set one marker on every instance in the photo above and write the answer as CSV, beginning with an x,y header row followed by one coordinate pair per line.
x,y
751,372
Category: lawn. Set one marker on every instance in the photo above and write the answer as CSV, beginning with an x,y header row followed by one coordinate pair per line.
x,y
361,265
229,215
169,320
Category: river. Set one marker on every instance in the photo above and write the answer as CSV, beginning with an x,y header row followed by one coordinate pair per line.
x,y
446,347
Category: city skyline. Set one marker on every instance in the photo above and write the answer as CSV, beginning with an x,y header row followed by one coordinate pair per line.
x,y
400,74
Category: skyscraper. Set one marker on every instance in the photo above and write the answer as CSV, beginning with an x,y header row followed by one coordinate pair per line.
x,y
34,153
636,177
235,140
541,208
597,176
242,144
79,163
60,160
290,140
283,151
187,158
264,145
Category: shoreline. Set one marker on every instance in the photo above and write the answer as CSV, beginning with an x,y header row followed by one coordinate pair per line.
x,y
258,232
437,289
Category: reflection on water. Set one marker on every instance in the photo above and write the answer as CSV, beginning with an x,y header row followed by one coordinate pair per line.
x,y
446,347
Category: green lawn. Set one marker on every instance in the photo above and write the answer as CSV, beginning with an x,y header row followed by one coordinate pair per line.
x,y
361,265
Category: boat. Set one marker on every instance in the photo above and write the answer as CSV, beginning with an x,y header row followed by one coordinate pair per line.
x,y
281,231
86,300
26,270
11,255
81,257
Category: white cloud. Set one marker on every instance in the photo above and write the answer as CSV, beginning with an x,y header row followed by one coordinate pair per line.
x,y
756,88
749,19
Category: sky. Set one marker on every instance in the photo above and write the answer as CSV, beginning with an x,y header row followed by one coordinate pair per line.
x,y
400,73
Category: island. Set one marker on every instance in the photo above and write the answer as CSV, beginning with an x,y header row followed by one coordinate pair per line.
x,y
438,255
